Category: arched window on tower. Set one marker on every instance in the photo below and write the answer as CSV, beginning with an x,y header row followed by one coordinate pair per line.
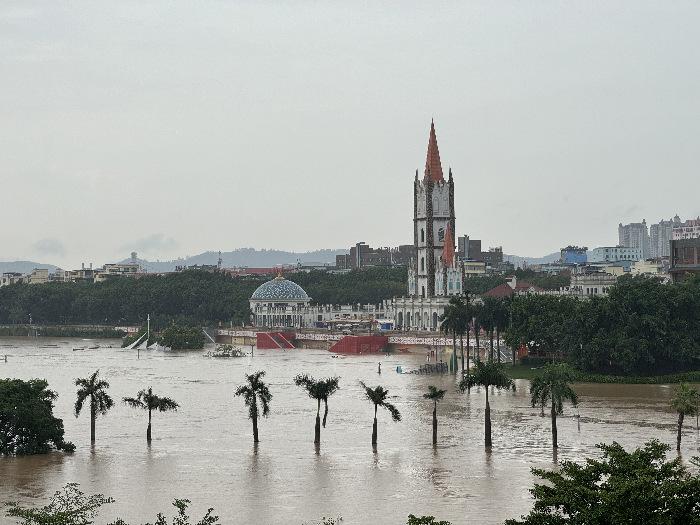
x,y
422,291
441,235
422,264
422,235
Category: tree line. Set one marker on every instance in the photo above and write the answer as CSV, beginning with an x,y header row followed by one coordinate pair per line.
x,y
642,327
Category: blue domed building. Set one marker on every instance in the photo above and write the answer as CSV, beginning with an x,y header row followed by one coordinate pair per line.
x,y
279,303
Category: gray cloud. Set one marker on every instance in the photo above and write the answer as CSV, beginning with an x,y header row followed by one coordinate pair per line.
x,y
49,246
154,244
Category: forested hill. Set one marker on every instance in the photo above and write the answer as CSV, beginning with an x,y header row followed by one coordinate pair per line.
x,y
190,296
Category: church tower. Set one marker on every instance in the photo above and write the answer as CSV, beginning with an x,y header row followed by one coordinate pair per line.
x,y
433,221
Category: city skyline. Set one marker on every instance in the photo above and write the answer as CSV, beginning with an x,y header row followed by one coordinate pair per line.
x,y
212,136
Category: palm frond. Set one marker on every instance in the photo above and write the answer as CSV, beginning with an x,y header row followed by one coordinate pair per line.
x,y
395,414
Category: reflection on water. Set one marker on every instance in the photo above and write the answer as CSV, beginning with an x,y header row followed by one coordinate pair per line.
x,y
204,451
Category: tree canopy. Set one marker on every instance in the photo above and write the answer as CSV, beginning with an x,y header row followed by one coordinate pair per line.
x,y
27,423
622,487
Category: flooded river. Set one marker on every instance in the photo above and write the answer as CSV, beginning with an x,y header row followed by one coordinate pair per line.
x,y
204,451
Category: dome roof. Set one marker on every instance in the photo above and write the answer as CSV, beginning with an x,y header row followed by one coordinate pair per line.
x,y
280,289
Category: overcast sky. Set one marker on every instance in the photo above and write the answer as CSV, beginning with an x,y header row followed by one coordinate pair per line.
x,y
178,127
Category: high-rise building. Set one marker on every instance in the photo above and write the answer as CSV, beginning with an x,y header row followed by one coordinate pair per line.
x,y
688,230
573,255
660,235
634,235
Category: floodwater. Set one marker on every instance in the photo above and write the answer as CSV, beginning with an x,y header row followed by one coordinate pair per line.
x,y
204,451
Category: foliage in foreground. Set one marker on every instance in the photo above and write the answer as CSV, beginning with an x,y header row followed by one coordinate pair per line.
x,y
70,506
27,423
623,487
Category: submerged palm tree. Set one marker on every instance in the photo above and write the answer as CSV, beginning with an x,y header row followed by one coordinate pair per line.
x,y
378,395
435,395
147,400
320,391
552,385
255,390
685,402
487,374
100,402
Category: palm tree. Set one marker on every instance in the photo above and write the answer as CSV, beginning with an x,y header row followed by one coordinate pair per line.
x,y
330,387
100,401
318,390
147,400
435,395
255,390
553,385
453,321
501,319
685,402
487,374
467,314
378,395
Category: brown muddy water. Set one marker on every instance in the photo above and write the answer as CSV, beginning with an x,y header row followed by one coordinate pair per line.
x,y
204,451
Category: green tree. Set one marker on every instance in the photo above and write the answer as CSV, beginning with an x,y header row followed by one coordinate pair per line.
x,y
182,337
254,391
622,487
435,395
685,402
27,423
147,400
487,374
95,390
319,390
552,385
379,397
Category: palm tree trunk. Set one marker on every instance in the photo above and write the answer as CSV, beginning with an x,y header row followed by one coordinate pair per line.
x,y
461,348
498,344
435,424
374,427
468,332
513,351
317,429
325,412
255,429
487,421
491,344
453,359
681,415
93,416
554,426
477,356
148,430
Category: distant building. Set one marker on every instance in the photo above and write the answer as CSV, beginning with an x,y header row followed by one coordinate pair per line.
x,y
363,256
634,235
37,276
615,254
685,258
469,249
513,287
573,255
648,267
474,268
688,230
590,284
116,270
660,235
9,278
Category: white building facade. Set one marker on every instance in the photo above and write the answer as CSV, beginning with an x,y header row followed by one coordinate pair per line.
x,y
614,254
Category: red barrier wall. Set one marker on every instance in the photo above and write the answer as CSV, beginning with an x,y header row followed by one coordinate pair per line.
x,y
274,340
360,344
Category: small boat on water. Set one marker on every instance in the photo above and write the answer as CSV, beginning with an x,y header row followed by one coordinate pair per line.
x,y
48,346
79,348
93,347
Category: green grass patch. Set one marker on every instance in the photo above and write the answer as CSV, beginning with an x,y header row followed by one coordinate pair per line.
x,y
531,371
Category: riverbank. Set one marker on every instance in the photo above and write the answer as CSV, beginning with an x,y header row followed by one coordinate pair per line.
x,y
97,332
530,372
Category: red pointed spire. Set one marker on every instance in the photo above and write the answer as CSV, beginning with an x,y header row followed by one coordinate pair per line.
x,y
448,250
433,167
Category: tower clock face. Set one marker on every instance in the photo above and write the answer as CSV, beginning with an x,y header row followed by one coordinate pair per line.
x,y
441,234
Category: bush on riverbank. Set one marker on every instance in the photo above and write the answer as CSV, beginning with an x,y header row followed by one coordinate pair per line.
x,y
522,371
182,338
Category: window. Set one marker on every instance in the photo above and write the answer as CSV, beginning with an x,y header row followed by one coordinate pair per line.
x,y
441,235
422,235
422,264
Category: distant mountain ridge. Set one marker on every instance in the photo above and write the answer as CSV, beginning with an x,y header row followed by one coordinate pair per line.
x,y
518,260
24,266
250,257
